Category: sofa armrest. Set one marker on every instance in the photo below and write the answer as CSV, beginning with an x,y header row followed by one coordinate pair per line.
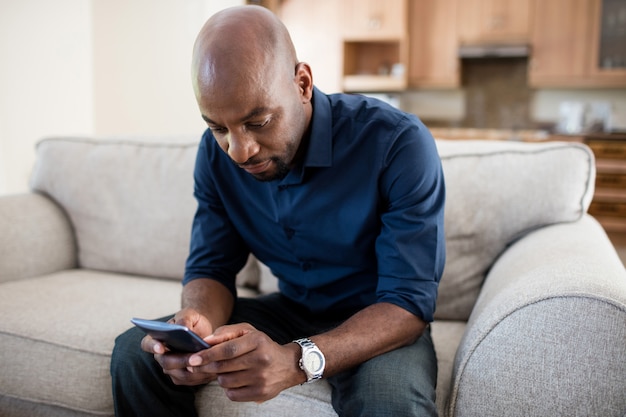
x,y
547,334
36,237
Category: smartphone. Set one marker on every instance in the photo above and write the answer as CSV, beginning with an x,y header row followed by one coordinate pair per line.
x,y
176,337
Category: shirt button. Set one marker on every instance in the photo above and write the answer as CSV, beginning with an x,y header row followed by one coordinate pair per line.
x,y
289,232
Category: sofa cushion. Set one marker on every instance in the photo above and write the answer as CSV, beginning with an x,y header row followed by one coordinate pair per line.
x,y
496,193
65,336
120,195
131,204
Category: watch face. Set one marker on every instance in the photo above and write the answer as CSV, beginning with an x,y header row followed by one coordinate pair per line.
x,y
313,362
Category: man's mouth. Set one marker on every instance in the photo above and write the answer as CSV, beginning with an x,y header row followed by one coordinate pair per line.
x,y
255,169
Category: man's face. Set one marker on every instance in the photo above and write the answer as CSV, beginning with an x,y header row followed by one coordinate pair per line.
x,y
258,122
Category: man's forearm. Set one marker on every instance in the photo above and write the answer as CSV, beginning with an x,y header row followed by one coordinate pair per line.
x,y
373,331
209,298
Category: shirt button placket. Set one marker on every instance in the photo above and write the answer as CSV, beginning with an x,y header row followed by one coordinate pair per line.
x,y
289,232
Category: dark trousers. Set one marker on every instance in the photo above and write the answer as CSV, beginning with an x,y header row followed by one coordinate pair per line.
x,y
398,383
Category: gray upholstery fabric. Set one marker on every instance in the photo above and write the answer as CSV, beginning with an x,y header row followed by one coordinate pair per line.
x,y
115,194
545,335
36,237
496,193
305,400
58,333
548,333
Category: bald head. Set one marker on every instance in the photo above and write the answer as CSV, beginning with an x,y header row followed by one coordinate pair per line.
x,y
241,44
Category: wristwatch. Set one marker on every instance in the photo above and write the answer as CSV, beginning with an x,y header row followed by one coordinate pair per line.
x,y
312,361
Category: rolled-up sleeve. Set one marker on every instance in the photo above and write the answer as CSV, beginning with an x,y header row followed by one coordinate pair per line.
x,y
411,245
216,248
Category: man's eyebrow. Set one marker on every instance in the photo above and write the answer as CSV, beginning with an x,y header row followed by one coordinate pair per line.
x,y
255,112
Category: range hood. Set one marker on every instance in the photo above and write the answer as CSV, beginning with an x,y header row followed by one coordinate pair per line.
x,y
494,51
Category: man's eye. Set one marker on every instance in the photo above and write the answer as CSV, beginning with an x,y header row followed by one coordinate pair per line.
x,y
258,125
218,130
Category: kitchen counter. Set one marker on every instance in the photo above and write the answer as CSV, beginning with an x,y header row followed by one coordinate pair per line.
x,y
457,133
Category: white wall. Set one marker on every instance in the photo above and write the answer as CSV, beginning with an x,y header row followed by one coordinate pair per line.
x,y
94,67
46,80
116,67
142,56
546,103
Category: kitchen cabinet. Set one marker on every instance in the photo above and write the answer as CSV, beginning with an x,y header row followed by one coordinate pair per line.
x,y
609,199
567,38
375,45
494,21
560,31
433,44
608,41
374,19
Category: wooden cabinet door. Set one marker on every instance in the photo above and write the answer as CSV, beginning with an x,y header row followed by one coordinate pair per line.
x,y
433,44
559,39
607,48
374,19
497,21
565,43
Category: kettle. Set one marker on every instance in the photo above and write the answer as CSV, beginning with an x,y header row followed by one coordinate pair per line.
x,y
576,117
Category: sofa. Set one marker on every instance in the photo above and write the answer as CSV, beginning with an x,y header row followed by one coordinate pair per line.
x,y
531,313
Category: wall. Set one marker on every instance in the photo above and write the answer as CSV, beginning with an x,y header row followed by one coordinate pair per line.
x,y
315,26
46,80
142,57
94,67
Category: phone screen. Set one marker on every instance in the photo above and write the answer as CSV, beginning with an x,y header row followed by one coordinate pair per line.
x,y
176,337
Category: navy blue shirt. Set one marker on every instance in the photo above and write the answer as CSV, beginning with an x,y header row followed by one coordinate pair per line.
x,y
358,221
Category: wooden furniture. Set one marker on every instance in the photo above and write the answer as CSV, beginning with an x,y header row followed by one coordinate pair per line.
x,y
376,46
609,199
574,43
494,21
375,41
433,44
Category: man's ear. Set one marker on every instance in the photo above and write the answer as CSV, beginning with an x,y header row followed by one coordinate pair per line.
x,y
304,80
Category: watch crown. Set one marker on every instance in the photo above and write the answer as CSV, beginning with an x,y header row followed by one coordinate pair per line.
x,y
312,361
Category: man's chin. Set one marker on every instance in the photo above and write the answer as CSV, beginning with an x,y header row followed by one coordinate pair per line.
x,y
280,172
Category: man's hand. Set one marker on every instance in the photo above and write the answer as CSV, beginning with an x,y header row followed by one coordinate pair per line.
x,y
176,364
248,364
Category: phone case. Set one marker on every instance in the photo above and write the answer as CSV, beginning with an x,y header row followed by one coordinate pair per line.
x,y
176,337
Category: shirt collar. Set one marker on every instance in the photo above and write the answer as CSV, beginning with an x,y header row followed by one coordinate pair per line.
x,y
320,149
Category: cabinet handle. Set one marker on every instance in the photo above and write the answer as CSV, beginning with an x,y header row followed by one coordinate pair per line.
x,y
374,23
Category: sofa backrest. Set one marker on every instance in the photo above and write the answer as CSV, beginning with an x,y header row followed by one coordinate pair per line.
x,y
121,194
497,192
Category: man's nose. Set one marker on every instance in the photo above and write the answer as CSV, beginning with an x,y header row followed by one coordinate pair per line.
x,y
242,146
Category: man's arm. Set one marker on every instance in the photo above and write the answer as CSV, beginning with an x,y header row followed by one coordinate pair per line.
x,y
210,299
206,305
375,330
251,367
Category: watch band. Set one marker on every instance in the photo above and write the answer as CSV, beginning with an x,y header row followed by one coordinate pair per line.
x,y
310,350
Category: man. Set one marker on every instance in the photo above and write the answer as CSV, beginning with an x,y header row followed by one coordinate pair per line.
x,y
342,197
